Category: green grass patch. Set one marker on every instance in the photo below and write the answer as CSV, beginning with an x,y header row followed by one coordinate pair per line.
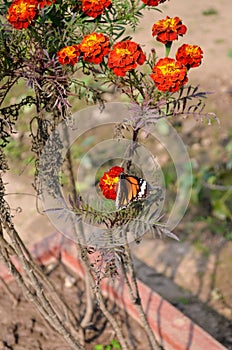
x,y
183,300
230,53
210,12
201,248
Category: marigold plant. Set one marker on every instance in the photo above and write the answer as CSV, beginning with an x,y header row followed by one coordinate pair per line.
x,y
95,8
43,3
167,30
153,2
94,47
189,55
69,54
21,13
125,56
108,182
169,75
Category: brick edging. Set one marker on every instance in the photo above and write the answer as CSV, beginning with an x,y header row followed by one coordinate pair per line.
x,y
173,329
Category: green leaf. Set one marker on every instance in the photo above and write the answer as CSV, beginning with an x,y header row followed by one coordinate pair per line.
x,y
115,344
221,211
98,347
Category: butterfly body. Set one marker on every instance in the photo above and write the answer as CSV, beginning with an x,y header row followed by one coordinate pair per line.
x,y
130,189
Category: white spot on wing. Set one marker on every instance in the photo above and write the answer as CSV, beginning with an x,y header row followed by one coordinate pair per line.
x,y
143,188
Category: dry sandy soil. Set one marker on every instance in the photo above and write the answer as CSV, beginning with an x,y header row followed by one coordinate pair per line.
x,y
27,331
179,262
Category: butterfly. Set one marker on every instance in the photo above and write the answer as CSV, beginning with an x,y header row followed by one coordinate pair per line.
x,y
130,189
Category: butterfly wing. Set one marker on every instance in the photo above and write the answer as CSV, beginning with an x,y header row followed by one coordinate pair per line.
x,y
122,192
130,188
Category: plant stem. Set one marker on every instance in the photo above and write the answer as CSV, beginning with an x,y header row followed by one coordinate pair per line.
x,y
33,280
168,48
136,300
89,304
99,295
38,298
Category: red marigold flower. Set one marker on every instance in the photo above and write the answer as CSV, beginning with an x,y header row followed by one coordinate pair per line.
x,y
95,8
43,3
69,54
153,2
169,75
108,182
94,47
168,29
125,56
21,13
189,55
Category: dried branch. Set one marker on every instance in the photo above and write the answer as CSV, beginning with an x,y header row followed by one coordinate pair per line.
x,y
34,283
136,299
97,291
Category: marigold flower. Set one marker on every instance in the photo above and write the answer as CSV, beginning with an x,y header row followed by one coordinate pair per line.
x,y
43,3
108,182
21,13
95,8
153,2
189,55
94,47
125,56
169,74
168,29
69,54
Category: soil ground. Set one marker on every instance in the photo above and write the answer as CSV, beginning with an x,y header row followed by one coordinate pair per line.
x,y
22,330
195,278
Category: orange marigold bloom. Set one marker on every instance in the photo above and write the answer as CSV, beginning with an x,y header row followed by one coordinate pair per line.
x,y
43,3
153,2
95,8
189,55
94,47
168,29
169,75
125,56
69,54
21,13
108,182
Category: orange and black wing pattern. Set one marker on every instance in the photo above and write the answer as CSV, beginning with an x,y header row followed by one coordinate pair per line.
x,y
130,188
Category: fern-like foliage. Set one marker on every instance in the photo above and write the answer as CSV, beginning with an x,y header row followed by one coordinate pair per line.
x,y
9,115
188,101
120,226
